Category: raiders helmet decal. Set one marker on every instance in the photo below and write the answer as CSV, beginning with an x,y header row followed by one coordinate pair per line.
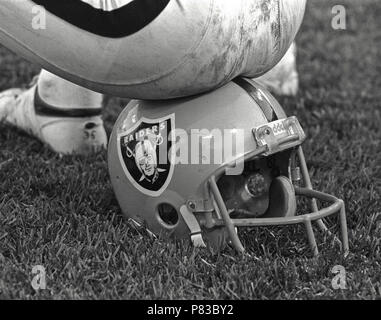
x,y
146,154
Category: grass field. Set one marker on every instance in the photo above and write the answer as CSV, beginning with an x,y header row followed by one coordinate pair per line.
x,y
60,212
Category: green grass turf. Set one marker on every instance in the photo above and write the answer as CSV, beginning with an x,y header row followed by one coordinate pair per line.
x,y
60,212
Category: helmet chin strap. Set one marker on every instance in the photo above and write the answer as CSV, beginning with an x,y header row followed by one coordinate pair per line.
x,y
194,226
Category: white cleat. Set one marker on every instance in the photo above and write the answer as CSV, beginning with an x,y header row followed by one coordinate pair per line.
x,y
283,79
64,130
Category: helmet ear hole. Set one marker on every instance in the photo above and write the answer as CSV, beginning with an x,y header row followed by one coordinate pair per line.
x,y
167,215
282,198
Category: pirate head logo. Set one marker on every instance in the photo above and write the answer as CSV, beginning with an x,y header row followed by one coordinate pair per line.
x,y
145,157
144,151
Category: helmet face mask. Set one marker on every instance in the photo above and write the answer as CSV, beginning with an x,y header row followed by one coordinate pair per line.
x,y
282,207
258,185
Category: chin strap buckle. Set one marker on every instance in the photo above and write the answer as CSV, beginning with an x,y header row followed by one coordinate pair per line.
x,y
279,135
194,226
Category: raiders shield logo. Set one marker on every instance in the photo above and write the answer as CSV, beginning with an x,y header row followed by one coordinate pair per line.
x,y
145,151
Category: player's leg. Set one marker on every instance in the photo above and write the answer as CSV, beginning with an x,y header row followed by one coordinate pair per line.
x,y
174,49
63,115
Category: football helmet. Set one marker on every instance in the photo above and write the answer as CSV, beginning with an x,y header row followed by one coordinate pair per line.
x,y
205,166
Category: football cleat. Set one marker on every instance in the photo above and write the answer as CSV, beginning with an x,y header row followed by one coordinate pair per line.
x,y
64,130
